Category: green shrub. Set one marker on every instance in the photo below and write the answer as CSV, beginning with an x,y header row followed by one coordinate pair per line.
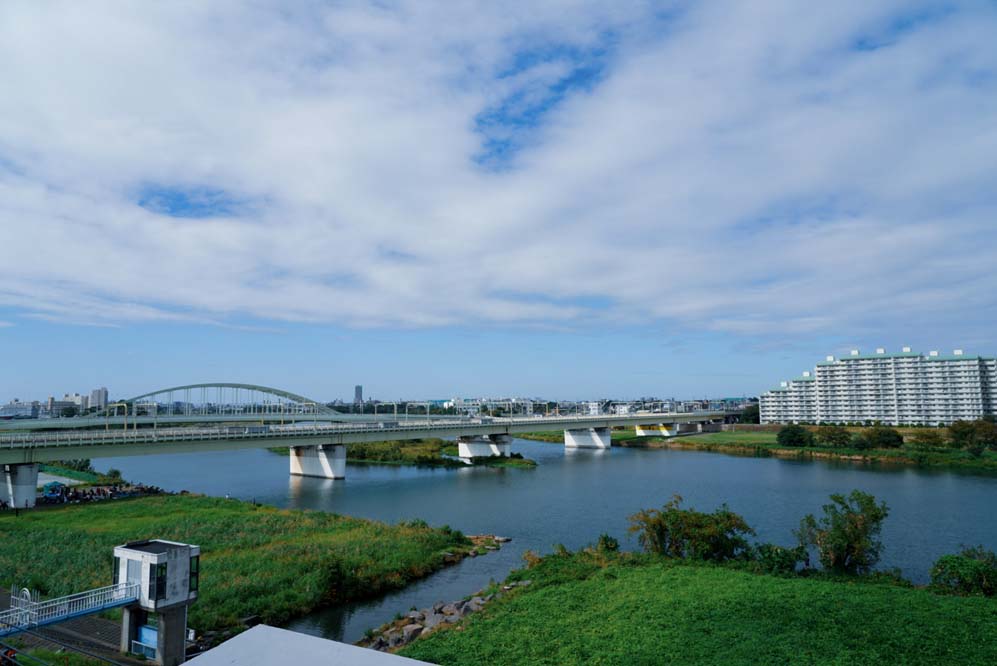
x,y
607,544
846,536
973,436
972,571
859,442
833,436
774,559
924,440
686,533
882,437
795,436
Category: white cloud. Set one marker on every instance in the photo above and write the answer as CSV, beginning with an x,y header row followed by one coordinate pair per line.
x,y
738,167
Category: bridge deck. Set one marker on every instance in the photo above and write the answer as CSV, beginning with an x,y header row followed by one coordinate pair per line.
x,y
27,613
39,447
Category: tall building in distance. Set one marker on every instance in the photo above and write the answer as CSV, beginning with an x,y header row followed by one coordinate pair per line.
x,y
905,388
98,398
358,395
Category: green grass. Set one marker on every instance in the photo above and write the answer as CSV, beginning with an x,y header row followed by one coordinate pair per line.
x,y
61,658
256,560
591,609
553,436
88,478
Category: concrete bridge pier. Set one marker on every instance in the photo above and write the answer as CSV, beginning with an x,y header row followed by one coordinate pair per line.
x,y
20,484
477,446
588,438
326,461
663,430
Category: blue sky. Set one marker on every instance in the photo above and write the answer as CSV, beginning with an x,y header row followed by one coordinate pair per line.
x,y
568,199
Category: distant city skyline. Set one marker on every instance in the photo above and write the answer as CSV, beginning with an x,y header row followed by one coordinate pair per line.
x,y
568,198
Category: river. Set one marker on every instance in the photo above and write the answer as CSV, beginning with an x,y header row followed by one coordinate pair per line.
x,y
573,496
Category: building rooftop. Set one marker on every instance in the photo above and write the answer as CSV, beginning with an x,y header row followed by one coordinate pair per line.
x,y
269,646
155,546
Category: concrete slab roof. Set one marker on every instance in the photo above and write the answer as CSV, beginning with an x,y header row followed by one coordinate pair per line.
x,y
269,646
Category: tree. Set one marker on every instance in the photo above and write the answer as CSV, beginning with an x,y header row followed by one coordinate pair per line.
x,y
834,436
751,414
973,436
795,435
68,412
686,533
79,464
927,439
985,434
961,434
846,536
972,571
882,437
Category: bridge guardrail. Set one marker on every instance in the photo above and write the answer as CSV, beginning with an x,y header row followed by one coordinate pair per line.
x,y
167,435
26,611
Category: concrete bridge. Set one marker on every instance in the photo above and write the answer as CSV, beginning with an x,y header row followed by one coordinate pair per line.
x,y
318,447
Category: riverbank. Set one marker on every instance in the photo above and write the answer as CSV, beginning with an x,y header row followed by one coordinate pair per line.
x,y
764,443
257,561
755,443
432,452
625,608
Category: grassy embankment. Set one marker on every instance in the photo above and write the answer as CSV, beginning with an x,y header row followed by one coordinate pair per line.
x,y
431,452
256,560
591,608
756,443
87,478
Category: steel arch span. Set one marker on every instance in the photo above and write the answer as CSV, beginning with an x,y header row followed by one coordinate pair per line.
x,y
219,398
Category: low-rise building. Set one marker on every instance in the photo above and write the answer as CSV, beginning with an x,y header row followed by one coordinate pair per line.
x,y
15,409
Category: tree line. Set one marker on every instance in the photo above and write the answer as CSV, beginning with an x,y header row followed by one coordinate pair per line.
x,y
845,539
974,437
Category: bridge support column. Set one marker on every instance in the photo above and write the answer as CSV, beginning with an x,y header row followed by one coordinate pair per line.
x,y
171,635
663,430
131,618
20,485
483,446
588,438
326,461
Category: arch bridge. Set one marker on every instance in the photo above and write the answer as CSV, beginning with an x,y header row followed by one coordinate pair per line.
x,y
229,416
220,399
215,402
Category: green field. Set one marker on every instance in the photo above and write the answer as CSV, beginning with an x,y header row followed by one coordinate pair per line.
x,y
638,609
256,560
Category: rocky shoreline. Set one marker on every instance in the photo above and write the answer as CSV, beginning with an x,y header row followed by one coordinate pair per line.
x,y
416,623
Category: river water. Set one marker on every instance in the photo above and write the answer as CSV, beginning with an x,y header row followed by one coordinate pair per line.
x,y
573,496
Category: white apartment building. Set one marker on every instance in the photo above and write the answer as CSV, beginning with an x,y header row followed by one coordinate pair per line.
x,y
905,388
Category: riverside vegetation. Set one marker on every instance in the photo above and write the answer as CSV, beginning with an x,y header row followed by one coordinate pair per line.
x,y
431,452
701,593
256,561
966,445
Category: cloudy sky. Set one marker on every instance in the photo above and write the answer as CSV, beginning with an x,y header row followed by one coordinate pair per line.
x,y
565,198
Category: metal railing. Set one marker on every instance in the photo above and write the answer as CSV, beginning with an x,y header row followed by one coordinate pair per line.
x,y
28,611
168,435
